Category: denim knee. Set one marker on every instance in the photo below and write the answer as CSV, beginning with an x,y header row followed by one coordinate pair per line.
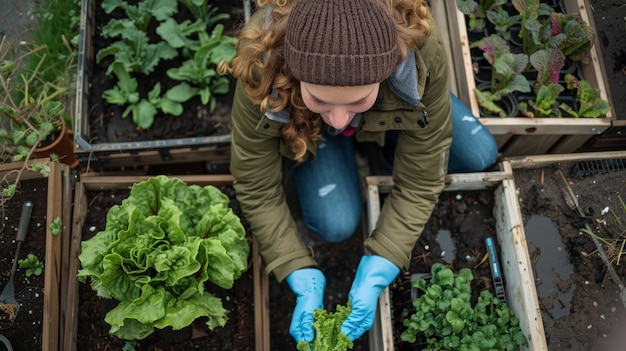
x,y
335,229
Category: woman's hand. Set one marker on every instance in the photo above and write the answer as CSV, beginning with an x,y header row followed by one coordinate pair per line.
x,y
373,275
308,284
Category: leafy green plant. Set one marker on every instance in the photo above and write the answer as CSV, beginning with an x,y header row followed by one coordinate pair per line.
x,y
545,104
31,111
159,249
535,34
328,335
31,264
445,316
590,102
477,10
578,37
134,55
55,226
506,76
199,71
502,21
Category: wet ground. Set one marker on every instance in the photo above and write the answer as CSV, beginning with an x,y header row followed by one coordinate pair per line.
x,y
15,18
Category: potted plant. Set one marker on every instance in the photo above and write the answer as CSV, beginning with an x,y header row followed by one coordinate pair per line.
x,y
542,27
33,117
446,318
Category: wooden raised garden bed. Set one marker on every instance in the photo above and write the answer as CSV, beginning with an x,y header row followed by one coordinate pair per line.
x,y
517,136
248,300
573,210
515,265
36,326
118,142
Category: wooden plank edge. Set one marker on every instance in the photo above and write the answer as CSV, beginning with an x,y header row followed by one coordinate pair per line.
x,y
70,326
52,260
261,300
544,160
380,335
98,182
66,241
516,266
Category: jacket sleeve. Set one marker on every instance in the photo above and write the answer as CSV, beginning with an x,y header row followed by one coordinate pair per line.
x,y
255,163
420,163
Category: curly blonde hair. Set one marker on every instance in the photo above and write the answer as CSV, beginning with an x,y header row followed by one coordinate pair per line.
x,y
260,64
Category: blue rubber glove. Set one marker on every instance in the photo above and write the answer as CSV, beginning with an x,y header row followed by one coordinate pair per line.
x,y
374,274
308,284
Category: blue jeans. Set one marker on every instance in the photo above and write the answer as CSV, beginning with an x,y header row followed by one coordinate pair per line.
x,y
329,190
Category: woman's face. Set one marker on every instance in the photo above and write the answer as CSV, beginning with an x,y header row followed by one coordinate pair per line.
x,y
338,105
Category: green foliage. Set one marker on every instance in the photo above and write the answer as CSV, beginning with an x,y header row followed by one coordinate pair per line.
x,y
535,34
31,264
548,63
445,316
590,102
159,249
545,104
578,37
328,335
56,27
502,21
477,10
133,55
55,226
31,110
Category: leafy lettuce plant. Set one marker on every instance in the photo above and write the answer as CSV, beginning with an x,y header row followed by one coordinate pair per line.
x,y
159,249
589,100
445,316
506,74
545,104
476,10
328,335
578,37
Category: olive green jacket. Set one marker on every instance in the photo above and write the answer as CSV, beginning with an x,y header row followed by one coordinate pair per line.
x,y
420,164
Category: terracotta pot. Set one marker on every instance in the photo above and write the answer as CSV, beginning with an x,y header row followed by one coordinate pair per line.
x,y
62,146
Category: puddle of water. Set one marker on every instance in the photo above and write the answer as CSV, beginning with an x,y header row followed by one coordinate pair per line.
x,y
444,239
553,268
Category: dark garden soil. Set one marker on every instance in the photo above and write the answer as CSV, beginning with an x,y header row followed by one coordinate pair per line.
x,y
609,17
580,303
26,332
454,236
93,331
105,120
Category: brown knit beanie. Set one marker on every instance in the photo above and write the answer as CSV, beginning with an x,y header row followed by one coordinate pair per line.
x,y
341,42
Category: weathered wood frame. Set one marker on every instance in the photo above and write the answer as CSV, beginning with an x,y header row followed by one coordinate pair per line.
x,y
514,257
57,200
519,136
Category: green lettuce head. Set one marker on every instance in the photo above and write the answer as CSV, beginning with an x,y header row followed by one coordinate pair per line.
x,y
159,249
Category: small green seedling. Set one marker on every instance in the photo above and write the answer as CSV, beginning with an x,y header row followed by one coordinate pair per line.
x,y
32,265
55,226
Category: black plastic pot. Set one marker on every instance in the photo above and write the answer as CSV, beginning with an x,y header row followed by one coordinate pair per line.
x,y
567,97
5,344
508,103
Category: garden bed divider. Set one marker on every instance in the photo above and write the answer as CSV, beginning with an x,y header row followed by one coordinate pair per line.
x,y
514,257
521,136
53,260
100,182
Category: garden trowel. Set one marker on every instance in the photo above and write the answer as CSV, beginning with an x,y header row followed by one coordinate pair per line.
x,y
8,304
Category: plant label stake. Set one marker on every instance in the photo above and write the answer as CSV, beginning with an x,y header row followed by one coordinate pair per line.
x,y
8,304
